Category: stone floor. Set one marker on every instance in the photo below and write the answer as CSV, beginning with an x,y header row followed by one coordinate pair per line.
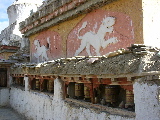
x,y
7,113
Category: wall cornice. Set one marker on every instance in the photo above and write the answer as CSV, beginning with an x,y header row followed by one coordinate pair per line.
x,y
57,12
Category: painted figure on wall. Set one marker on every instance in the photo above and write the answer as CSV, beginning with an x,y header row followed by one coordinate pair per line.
x,y
99,33
46,46
41,51
97,40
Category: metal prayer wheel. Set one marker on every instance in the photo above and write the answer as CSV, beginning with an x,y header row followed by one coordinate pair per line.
x,y
3,82
37,84
78,89
50,85
111,94
3,79
87,92
129,98
17,80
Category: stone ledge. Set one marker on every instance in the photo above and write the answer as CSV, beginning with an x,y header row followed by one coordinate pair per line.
x,y
100,108
118,64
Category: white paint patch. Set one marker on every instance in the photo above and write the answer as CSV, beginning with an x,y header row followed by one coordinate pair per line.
x,y
41,51
151,17
146,103
97,39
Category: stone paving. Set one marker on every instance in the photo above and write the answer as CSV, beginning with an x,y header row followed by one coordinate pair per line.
x,y
7,113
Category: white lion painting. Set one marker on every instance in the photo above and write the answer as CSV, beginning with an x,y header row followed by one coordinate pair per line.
x,y
97,40
41,51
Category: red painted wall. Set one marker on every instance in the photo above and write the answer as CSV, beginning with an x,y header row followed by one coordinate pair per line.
x,y
86,33
123,30
53,49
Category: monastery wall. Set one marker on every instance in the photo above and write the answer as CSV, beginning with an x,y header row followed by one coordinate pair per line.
x,y
40,105
68,30
37,105
147,101
85,63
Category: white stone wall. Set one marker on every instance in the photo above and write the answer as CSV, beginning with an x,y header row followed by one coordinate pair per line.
x,y
147,106
4,96
151,17
38,106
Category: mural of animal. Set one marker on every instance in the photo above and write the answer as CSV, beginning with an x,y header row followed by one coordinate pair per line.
x,y
41,51
97,40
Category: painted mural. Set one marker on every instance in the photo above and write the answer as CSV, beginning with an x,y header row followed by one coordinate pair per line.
x,y
41,51
46,46
100,32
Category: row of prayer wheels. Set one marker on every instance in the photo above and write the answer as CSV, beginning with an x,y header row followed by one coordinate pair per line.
x,y
111,94
19,81
81,90
49,85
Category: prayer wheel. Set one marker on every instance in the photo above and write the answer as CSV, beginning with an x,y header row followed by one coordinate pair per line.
x,y
17,80
3,82
3,79
111,94
37,84
79,90
51,85
87,92
129,98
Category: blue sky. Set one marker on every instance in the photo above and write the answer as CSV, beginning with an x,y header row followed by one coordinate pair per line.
x,y
4,4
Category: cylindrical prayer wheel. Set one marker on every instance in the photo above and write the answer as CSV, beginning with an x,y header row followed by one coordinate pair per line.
x,y
3,82
129,98
78,89
37,84
111,94
17,80
87,92
3,79
51,85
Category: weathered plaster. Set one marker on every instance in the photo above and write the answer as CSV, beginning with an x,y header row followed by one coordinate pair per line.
x,y
151,18
127,29
58,17
146,101
132,8
38,106
46,46
98,33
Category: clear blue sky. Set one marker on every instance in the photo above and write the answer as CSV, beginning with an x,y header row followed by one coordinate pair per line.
x,y
4,4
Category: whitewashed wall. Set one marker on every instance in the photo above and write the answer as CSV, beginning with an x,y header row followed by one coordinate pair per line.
x,y
146,101
38,106
151,17
4,96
